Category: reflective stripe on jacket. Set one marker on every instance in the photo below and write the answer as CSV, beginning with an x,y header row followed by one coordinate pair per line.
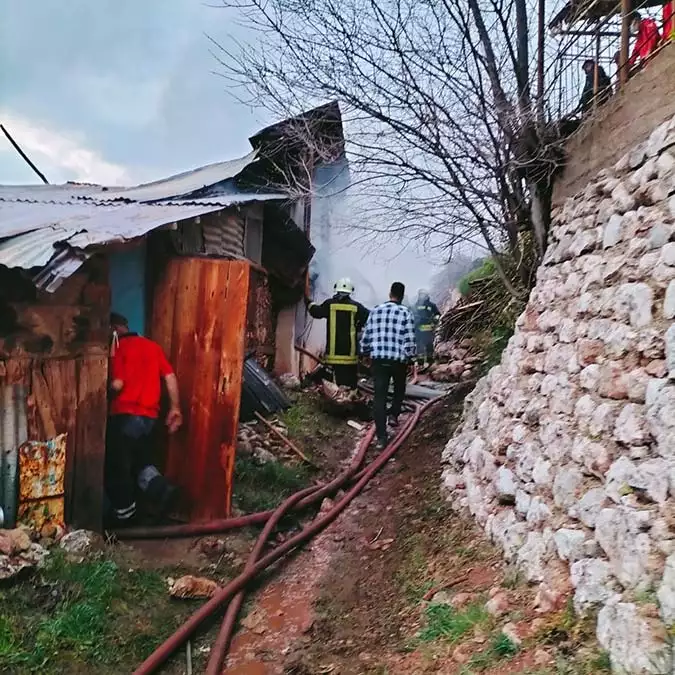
x,y
426,316
345,318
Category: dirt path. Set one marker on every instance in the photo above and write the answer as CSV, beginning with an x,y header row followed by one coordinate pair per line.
x,y
356,602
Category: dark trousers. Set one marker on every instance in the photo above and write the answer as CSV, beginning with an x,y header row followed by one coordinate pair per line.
x,y
127,456
384,371
425,346
346,376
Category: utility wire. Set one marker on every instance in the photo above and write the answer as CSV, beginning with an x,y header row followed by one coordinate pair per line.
x,y
23,155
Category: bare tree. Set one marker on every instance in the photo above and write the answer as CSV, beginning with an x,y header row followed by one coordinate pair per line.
x,y
443,137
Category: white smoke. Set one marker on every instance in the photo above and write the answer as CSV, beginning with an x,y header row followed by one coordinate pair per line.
x,y
371,265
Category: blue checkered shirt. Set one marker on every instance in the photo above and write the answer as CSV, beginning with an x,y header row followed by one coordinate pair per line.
x,y
389,333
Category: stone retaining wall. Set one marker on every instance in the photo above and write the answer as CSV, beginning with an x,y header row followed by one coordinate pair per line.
x,y
566,453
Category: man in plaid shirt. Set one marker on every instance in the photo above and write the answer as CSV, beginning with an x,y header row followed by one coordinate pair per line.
x,y
389,339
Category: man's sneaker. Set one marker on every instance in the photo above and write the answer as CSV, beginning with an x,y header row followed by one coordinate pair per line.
x,y
382,443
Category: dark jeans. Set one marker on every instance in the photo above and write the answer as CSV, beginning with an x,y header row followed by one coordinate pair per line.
x,y
425,346
127,455
384,371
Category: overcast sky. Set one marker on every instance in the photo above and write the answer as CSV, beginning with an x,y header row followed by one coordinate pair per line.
x,y
123,91
115,91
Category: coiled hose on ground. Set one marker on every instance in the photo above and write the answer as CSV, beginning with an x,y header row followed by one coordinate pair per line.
x,y
232,592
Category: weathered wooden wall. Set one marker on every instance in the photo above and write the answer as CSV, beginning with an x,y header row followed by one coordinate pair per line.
x,y
260,338
56,345
199,318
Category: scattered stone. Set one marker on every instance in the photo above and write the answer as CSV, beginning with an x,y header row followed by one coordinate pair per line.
x,y
13,565
462,654
511,631
188,587
14,542
542,657
498,605
81,542
290,381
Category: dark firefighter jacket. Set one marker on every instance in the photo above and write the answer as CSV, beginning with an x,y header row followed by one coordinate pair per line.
x,y
346,318
426,316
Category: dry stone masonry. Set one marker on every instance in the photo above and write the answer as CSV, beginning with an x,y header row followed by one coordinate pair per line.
x,y
566,451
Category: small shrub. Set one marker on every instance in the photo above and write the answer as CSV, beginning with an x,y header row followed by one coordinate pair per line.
x,y
447,623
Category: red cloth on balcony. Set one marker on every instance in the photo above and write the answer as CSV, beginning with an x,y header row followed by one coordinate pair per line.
x,y
648,39
668,21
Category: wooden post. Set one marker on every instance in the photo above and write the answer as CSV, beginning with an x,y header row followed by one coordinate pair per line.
x,y
626,9
541,27
596,73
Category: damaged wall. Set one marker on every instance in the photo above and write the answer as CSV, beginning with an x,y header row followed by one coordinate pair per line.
x,y
566,453
54,347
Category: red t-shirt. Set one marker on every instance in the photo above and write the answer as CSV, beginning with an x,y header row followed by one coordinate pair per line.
x,y
140,364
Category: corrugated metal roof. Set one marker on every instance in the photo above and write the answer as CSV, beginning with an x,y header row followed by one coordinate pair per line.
x,y
182,184
40,224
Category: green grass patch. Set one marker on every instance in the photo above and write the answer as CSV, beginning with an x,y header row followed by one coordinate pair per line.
x,y
95,616
444,622
485,270
259,487
500,649
302,414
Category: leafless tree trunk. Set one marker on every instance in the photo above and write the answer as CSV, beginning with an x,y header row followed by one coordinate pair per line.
x,y
443,140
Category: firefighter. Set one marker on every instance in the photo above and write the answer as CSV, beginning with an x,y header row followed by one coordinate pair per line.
x,y
345,319
426,317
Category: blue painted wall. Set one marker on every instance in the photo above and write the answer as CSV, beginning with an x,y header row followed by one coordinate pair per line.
x,y
127,285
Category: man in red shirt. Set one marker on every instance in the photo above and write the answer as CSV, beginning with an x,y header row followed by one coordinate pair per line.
x,y
648,38
137,368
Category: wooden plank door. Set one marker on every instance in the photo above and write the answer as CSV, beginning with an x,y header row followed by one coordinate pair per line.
x,y
199,318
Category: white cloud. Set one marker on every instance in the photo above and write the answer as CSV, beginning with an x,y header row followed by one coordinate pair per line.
x,y
62,156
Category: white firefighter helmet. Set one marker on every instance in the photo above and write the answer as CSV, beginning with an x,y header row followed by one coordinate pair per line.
x,y
344,285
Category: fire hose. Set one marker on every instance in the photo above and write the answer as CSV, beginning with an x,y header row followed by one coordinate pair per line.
x,y
233,590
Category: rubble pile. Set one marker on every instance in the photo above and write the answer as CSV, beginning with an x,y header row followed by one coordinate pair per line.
x,y
566,452
456,361
254,440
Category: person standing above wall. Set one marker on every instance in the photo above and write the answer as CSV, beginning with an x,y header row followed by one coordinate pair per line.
x,y
389,340
647,41
137,368
345,320
668,21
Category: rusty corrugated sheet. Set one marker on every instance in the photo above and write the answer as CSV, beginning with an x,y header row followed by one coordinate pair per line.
x,y
42,469
13,433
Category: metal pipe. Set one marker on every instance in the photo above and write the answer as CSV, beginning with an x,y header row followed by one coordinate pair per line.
x,y
157,658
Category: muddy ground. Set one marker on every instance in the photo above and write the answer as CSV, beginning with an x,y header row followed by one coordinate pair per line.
x,y
399,585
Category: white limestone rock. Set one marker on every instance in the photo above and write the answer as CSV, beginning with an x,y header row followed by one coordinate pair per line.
x,y
621,533
636,641
505,485
570,544
593,583
566,485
